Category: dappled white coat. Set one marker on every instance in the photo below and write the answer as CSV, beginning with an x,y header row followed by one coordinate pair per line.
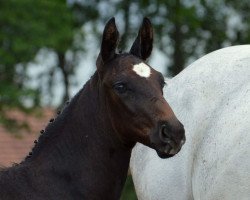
x,y
211,98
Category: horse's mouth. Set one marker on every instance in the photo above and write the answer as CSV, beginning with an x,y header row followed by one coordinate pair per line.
x,y
167,153
168,150
163,155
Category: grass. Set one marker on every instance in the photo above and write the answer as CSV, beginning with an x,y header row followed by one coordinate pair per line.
x,y
128,192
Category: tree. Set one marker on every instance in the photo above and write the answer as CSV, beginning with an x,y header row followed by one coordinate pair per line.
x,y
184,30
26,27
240,11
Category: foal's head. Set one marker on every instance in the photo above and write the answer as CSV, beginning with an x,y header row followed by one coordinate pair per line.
x,y
137,109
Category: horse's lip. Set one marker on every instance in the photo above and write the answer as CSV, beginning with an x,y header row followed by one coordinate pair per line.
x,y
164,155
170,143
167,150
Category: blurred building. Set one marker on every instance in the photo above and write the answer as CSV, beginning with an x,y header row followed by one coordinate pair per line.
x,y
14,146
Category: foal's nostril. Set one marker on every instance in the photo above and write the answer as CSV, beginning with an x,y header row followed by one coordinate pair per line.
x,y
172,133
164,133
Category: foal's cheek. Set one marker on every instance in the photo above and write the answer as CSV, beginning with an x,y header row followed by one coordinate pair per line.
x,y
143,138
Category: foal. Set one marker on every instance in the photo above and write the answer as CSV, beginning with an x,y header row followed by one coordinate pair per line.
x,y
84,153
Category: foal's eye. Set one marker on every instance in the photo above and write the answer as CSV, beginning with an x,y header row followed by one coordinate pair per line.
x,y
120,87
163,83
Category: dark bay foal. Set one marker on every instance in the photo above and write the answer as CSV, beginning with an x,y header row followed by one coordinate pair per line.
x,y
84,153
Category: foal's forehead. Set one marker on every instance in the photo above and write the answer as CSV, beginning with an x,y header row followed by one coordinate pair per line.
x,y
129,64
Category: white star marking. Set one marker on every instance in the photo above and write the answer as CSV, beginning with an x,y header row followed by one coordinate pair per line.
x,y
142,70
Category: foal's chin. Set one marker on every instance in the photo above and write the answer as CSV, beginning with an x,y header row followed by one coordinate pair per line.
x,y
166,151
164,155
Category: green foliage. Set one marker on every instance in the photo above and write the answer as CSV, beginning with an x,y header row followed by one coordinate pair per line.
x,y
186,30
241,8
128,192
26,27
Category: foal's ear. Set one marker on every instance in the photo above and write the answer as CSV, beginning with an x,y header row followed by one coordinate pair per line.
x,y
143,44
109,41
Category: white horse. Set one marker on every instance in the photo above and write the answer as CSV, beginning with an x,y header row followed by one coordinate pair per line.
x,y
211,98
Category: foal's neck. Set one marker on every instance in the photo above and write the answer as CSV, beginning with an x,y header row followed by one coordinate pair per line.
x,y
81,146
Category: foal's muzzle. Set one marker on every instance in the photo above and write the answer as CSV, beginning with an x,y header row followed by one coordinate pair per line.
x,y
170,138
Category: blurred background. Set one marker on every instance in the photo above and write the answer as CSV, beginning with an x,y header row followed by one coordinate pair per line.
x,y
48,51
